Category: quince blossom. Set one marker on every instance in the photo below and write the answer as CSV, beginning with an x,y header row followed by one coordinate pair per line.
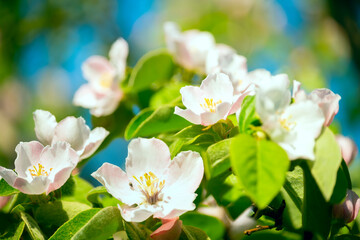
x,y
102,94
349,209
294,127
190,48
212,101
72,130
325,98
225,60
348,148
40,169
153,184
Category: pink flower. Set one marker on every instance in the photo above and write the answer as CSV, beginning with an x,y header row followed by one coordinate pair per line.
x,y
72,130
348,148
323,97
170,229
349,209
153,184
212,101
102,94
40,169
190,48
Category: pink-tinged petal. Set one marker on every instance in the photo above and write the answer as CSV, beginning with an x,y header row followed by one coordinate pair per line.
x,y
210,118
145,155
74,131
36,186
118,54
192,97
172,33
349,209
218,86
107,103
348,147
95,139
188,115
237,103
58,156
8,175
117,184
45,124
136,214
328,102
28,154
186,171
176,204
85,97
95,67
60,179
170,229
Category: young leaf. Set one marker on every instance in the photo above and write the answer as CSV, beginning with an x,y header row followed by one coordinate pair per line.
x,y
92,224
212,226
133,231
153,122
155,67
219,156
192,233
75,190
261,166
32,227
6,189
247,114
327,162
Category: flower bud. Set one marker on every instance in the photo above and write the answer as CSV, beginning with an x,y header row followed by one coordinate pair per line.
x,y
348,148
349,209
170,229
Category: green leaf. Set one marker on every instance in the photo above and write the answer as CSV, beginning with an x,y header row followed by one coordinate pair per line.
x,y
32,227
76,189
247,113
347,237
192,233
6,189
153,68
93,195
316,211
166,95
10,228
151,122
212,226
219,156
261,166
58,212
134,232
341,186
92,224
327,162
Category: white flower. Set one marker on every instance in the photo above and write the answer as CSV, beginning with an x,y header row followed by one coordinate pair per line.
x,y
190,48
153,184
294,127
102,94
72,130
40,169
225,60
211,102
323,97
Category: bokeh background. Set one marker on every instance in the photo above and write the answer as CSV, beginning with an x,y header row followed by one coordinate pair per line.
x,y
43,44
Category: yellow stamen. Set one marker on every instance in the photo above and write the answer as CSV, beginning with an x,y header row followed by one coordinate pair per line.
x,y
210,105
40,171
106,80
286,123
150,186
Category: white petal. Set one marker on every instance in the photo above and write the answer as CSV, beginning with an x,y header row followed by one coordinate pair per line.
x,y
45,124
107,103
85,97
192,97
210,118
8,175
37,186
135,214
95,67
117,184
188,115
118,54
74,131
218,86
95,139
145,155
28,154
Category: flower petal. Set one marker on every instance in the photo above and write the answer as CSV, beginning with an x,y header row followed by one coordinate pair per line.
x,y
210,118
136,214
118,54
94,67
96,137
192,97
8,175
348,147
145,155
218,86
36,186
74,131
170,229
45,124
188,115
85,97
28,154
107,103
117,184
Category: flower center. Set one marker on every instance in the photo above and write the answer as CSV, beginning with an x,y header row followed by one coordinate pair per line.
x,y
209,104
106,80
150,186
39,171
286,123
